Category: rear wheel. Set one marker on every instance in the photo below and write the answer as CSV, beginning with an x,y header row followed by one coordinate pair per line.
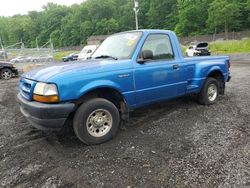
x,y
6,74
96,121
209,92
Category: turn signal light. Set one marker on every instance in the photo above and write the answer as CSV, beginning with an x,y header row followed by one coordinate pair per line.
x,y
46,99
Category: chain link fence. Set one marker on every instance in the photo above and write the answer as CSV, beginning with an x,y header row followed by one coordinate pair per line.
x,y
215,37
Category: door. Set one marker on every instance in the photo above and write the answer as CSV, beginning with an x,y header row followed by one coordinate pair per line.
x,y
162,76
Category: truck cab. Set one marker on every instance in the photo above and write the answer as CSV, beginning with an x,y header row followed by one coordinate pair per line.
x,y
128,70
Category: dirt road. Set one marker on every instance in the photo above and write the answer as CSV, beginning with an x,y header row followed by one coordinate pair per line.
x,y
173,144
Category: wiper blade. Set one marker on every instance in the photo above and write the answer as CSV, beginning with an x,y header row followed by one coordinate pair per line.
x,y
106,56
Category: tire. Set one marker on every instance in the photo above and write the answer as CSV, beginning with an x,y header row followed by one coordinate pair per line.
x,y
96,121
209,92
6,73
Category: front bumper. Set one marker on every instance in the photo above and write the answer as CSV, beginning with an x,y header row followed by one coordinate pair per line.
x,y
47,117
202,53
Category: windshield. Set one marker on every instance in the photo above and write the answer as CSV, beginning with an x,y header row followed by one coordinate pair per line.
x,y
120,46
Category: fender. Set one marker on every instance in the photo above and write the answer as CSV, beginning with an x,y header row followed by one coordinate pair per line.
x,y
218,69
201,73
99,84
214,68
124,106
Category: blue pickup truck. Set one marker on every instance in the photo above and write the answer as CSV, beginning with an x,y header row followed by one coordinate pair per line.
x,y
129,70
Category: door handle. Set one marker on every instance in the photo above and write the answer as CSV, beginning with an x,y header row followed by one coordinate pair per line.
x,y
176,66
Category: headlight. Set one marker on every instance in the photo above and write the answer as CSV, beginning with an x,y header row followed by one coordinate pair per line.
x,y
46,93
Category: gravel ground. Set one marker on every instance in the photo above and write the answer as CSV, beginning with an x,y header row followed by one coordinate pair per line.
x,y
172,144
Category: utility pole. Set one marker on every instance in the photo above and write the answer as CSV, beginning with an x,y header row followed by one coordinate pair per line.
x,y
37,47
136,10
51,44
5,54
22,44
1,43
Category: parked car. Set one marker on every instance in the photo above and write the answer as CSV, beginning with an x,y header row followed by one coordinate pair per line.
x,y
129,70
7,70
19,59
42,58
87,51
70,57
199,49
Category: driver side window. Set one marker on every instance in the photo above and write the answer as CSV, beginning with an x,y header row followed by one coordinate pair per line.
x,y
160,46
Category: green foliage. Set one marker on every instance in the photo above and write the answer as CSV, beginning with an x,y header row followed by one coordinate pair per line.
x,y
158,12
106,26
224,13
71,26
192,17
248,10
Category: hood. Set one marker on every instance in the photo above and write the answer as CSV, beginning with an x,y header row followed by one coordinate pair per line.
x,y
202,45
7,64
43,74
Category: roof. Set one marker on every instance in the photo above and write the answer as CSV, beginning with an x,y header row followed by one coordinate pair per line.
x,y
149,31
102,37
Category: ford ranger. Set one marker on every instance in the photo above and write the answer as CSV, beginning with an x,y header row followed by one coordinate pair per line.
x,y
128,70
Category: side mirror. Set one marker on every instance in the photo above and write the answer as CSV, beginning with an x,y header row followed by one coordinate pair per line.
x,y
145,55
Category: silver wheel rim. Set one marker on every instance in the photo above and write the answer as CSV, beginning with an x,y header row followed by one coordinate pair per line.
x,y
99,123
212,92
6,75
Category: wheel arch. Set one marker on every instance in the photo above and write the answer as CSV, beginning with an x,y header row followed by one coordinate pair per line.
x,y
5,67
218,75
109,93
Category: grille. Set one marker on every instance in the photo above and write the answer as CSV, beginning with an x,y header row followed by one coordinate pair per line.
x,y
26,88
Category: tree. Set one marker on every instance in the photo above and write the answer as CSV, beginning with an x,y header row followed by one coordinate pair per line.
x,y
248,10
71,26
224,13
106,27
158,13
192,16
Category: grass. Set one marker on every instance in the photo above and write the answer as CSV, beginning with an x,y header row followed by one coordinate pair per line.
x,y
227,47
230,46
60,54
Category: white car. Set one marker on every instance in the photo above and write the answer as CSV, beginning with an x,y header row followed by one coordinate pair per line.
x,y
87,51
42,58
19,59
198,49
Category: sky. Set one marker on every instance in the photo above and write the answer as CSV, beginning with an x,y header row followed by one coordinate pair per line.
x,y
12,7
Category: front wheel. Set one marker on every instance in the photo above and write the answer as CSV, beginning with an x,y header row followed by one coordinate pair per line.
x,y
209,92
96,121
6,74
